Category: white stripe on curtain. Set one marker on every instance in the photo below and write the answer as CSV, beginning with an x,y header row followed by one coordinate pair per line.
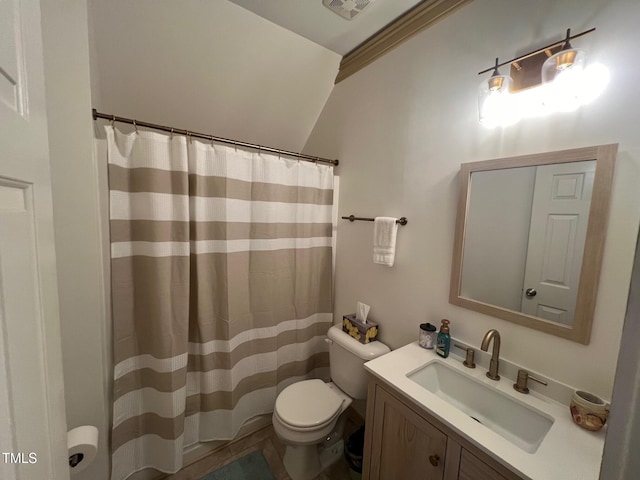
x,y
205,209
171,249
150,249
149,206
166,206
221,161
147,361
149,400
257,333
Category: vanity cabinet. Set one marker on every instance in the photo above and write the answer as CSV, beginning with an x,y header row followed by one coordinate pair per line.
x,y
402,441
403,445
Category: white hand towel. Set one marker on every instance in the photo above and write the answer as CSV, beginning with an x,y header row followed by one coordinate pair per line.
x,y
384,240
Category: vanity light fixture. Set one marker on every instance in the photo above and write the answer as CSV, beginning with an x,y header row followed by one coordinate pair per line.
x,y
493,99
550,79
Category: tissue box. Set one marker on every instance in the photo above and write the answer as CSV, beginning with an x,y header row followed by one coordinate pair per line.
x,y
363,332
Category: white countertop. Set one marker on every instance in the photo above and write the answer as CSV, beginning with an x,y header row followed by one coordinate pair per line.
x,y
567,452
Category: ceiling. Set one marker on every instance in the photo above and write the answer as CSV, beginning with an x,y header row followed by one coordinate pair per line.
x,y
312,20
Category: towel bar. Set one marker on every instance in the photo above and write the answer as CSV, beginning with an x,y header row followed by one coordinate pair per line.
x,y
352,218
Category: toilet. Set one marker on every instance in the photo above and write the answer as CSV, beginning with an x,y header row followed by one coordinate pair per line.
x,y
309,415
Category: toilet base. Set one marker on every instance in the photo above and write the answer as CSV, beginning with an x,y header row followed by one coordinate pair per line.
x,y
304,462
330,454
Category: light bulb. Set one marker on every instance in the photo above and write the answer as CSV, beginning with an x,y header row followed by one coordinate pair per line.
x,y
564,93
494,103
563,61
574,87
497,109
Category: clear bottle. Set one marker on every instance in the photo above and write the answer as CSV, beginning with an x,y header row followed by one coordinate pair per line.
x,y
444,339
427,338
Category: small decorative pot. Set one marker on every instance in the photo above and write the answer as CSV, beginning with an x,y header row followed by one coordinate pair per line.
x,y
588,411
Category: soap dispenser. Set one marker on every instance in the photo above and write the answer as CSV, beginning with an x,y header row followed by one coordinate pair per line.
x,y
444,339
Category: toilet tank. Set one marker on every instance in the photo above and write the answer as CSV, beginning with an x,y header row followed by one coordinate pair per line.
x,y
346,359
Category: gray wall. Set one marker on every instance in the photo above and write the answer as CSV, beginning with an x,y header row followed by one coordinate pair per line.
x,y
208,66
402,126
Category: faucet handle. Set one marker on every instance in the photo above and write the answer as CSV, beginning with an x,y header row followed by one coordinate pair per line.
x,y
523,377
469,361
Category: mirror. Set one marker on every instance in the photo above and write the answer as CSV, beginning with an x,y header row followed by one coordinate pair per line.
x,y
529,238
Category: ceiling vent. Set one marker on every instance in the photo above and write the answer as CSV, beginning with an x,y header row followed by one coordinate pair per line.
x,y
348,9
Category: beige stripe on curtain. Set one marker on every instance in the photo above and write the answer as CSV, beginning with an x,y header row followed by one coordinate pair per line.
x,y
221,290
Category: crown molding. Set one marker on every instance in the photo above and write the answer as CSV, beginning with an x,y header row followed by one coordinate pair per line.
x,y
404,27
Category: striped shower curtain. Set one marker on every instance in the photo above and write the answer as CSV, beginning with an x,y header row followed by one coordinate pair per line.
x,y
221,290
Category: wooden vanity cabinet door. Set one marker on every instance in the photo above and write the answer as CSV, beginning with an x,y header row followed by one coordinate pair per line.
x,y
472,468
404,446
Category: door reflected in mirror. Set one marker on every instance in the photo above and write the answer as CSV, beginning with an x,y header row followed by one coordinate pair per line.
x,y
529,238
525,235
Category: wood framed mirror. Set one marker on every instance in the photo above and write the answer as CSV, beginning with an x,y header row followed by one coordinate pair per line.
x,y
530,233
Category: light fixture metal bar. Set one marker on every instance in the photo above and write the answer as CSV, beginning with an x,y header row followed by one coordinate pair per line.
x,y
535,52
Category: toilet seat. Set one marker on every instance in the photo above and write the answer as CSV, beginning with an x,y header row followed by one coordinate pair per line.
x,y
308,405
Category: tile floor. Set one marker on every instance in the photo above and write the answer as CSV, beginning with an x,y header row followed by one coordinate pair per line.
x,y
266,440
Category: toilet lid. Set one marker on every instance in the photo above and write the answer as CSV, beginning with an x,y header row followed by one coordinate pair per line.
x,y
307,403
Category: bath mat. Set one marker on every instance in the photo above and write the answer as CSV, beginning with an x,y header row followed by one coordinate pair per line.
x,y
250,467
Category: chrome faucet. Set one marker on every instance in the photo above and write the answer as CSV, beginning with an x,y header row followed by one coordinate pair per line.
x,y
495,354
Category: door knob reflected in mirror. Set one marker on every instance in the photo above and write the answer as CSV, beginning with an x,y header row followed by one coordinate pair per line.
x,y
530,292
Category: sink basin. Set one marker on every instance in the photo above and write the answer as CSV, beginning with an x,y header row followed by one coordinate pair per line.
x,y
522,425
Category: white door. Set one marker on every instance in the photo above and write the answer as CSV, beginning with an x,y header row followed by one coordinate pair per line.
x,y
559,217
32,415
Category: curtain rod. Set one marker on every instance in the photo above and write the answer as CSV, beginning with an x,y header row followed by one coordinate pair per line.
x,y
212,138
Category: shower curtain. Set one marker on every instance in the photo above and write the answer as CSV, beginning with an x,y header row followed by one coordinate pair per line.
x,y
221,277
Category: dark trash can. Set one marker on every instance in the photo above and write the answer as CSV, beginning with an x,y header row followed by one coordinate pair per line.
x,y
353,453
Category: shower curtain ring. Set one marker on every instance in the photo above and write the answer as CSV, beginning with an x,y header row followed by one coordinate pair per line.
x,y
171,134
113,121
189,136
135,126
211,138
